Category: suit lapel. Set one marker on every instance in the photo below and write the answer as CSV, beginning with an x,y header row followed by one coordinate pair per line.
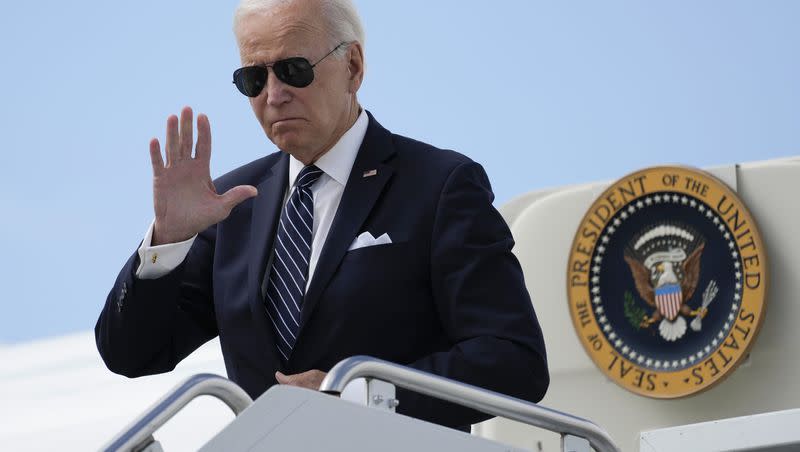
x,y
358,199
266,210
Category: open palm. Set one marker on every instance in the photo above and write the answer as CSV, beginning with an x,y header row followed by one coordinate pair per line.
x,y
184,197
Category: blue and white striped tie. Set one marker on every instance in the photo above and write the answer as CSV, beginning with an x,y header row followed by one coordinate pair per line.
x,y
287,280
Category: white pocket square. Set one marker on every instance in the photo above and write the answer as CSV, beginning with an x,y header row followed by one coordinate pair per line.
x,y
366,239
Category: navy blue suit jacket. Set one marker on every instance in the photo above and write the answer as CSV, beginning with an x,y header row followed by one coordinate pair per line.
x,y
447,296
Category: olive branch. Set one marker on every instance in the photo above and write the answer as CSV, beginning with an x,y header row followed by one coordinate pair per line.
x,y
633,313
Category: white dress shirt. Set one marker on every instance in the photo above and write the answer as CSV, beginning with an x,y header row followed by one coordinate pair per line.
x,y
157,261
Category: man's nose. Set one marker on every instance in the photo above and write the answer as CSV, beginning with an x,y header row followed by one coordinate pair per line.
x,y
278,92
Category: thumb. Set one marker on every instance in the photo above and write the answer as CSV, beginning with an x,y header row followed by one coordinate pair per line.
x,y
236,195
282,379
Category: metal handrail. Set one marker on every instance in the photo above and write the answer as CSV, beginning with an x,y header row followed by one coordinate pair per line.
x,y
480,399
139,432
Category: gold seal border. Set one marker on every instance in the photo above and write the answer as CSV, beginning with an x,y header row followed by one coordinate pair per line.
x,y
712,368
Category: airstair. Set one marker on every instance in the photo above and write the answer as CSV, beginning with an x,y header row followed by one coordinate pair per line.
x,y
294,419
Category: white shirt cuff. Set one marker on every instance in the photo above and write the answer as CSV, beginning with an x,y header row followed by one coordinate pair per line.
x,y
157,261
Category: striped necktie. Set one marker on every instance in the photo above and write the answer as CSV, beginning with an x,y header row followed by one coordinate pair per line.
x,y
287,280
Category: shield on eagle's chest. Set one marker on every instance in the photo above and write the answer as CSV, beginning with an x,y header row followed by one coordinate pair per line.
x,y
669,298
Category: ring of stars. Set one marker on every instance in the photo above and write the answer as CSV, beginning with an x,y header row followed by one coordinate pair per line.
x,y
624,214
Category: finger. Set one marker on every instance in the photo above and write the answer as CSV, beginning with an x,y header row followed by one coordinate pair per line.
x,y
236,195
186,136
319,377
203,149
283,379
173,154
313,380
155,156
296,380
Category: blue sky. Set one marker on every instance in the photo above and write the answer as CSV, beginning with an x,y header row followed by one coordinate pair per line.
x,y
541,93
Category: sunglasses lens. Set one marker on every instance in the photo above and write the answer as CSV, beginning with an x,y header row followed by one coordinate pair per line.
x,y
295,72
250,80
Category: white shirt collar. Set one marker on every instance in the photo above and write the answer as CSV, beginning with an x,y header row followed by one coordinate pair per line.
x,y
338,161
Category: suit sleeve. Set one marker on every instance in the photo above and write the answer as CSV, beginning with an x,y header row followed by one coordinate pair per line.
x,y
148,326
483,304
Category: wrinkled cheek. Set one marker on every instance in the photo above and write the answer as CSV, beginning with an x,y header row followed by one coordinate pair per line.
x,y
260,114
257,109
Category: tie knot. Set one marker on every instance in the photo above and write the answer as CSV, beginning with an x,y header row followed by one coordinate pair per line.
x,y
308,176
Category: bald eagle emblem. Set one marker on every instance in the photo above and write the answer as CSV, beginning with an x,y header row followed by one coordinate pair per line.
x,y
665,264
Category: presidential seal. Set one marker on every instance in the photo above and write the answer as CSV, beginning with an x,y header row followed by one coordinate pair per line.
x,y
667,281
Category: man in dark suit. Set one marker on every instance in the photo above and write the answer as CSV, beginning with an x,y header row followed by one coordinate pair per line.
x,y
352,240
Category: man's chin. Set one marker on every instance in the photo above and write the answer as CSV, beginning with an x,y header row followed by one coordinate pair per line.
x,y
291,147
286,141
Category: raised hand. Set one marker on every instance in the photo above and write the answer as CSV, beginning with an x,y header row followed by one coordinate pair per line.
x,y
184,197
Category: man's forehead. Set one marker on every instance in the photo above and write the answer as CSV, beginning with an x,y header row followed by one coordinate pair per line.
x,y
269,36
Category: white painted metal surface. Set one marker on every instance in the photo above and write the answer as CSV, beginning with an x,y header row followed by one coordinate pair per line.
x,y
463,394
293,419
772,431
766,382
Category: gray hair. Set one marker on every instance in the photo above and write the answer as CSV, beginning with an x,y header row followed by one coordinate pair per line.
x,y
344,24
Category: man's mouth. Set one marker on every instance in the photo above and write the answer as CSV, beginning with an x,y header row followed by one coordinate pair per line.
x,y
285,121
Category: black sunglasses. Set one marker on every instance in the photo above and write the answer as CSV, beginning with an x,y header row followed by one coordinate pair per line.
x,y
296,71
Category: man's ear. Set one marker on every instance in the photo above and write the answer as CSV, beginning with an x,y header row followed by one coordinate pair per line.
x,y
355,66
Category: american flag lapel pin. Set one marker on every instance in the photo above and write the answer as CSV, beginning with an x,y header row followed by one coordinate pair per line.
x,y
370,173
